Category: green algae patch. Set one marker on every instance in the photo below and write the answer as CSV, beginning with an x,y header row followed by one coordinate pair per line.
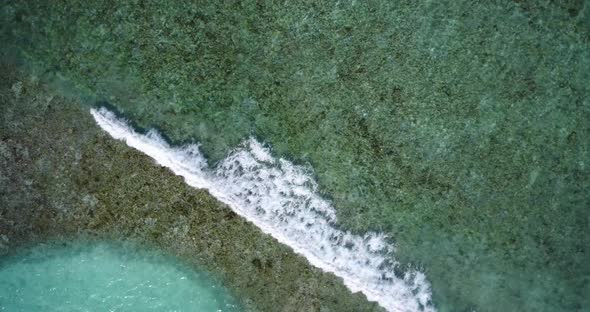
x,y
459,128
62,178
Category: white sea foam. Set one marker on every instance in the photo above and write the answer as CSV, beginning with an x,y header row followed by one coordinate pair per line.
x,y
281,199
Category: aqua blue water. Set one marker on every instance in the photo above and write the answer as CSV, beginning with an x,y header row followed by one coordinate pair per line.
x,y
105,277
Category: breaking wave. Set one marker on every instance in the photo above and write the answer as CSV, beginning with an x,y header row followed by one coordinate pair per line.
x,y
282,200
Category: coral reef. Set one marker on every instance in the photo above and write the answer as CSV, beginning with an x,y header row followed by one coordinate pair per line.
x,y
459,128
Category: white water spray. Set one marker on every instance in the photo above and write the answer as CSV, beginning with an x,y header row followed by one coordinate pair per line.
x,y
281,199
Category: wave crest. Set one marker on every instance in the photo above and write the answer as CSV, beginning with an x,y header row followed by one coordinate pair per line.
x,y
281,199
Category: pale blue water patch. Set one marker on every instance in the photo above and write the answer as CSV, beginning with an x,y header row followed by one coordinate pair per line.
x,y
106,277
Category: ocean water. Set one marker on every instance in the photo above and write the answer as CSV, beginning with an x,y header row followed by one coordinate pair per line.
x,y
105,277
456,132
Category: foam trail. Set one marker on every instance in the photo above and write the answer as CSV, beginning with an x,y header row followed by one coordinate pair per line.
x,y
281,199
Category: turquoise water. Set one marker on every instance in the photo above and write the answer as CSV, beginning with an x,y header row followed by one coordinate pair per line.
x,y
105,277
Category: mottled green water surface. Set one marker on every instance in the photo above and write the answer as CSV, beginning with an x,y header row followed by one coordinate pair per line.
x,y
91,276
460,128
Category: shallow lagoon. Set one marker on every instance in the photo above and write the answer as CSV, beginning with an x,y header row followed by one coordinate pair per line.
x,y
105,276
